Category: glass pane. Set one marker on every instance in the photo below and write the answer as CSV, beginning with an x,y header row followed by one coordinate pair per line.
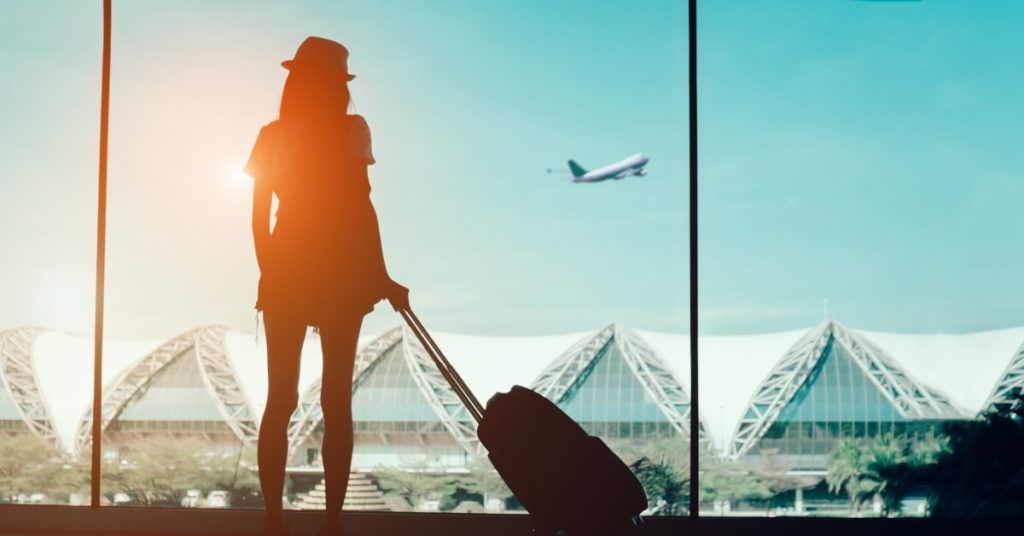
x,y
48,151
858,206
513,266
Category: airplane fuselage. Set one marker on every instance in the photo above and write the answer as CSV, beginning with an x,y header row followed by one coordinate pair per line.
x,y
630,166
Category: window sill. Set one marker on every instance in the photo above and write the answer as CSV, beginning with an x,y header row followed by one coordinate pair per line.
x,y
137,521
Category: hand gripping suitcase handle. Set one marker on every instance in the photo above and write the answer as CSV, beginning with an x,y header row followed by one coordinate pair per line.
x,y
446,369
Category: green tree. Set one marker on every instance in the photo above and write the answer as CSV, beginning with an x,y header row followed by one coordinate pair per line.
x,y
880,457
28,464
71,476
662,482
234,472
154,473
774,473
886,467
483,480
846,467
157,472
899,475
415,481
731,482
663,468
981,473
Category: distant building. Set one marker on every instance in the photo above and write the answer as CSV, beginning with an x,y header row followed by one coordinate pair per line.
x,y
792,395
832,384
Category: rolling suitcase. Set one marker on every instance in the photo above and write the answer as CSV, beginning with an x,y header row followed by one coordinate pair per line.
x,y
570,482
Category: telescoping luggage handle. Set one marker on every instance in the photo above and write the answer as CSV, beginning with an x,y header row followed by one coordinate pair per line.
x,y
449,373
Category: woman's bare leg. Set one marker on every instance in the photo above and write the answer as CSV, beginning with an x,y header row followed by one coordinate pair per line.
x,y
339,347
284,349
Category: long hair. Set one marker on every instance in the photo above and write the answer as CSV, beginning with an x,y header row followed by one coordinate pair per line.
x,y
311,95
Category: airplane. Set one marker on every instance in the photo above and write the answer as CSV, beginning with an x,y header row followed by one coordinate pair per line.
x,y
633,165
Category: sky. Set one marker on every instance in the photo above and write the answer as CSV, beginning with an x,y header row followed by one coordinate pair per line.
x,y
860,152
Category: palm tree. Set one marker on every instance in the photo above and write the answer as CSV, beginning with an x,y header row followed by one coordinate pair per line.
x,y
846,467
898,468
661,481
881,457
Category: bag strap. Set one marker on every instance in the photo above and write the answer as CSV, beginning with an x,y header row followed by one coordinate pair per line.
x,y
446,369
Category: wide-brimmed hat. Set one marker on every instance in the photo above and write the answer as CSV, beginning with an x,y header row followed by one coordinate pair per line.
x,y
320,54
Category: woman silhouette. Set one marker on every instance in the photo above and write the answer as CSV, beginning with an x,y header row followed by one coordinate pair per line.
x,y
322,265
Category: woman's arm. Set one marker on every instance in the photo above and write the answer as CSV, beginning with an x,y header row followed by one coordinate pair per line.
x,y
397,294
261,201
376,250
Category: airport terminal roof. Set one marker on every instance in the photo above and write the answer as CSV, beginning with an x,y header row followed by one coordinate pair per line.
x,y
963,368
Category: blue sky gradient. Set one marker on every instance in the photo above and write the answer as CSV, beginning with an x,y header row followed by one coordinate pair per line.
x,y
862,152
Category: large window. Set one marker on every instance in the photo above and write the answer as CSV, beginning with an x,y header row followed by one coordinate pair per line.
x,y
859,248
858,213
49,104
514,267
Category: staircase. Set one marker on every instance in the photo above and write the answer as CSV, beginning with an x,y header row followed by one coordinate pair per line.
x,y
361,495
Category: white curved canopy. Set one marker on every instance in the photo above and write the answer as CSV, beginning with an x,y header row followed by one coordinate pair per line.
x,y
964,367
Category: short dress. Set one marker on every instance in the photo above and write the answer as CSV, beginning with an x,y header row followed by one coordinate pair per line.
x,y
324,258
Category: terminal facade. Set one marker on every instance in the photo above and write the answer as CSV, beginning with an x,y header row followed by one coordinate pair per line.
x,y
789,396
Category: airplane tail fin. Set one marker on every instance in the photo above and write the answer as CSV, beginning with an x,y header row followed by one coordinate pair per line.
x,y
577,170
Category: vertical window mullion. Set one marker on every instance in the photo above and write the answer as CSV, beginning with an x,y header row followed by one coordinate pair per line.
x,y
694,382
101,239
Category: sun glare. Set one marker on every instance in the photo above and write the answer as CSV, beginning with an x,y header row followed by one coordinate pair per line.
x,y
236,176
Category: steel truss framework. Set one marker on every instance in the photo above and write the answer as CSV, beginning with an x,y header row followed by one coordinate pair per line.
x,y
223,385
207,346
309,414
1010,385
435,389
910,398
18,377
443,400
570,370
